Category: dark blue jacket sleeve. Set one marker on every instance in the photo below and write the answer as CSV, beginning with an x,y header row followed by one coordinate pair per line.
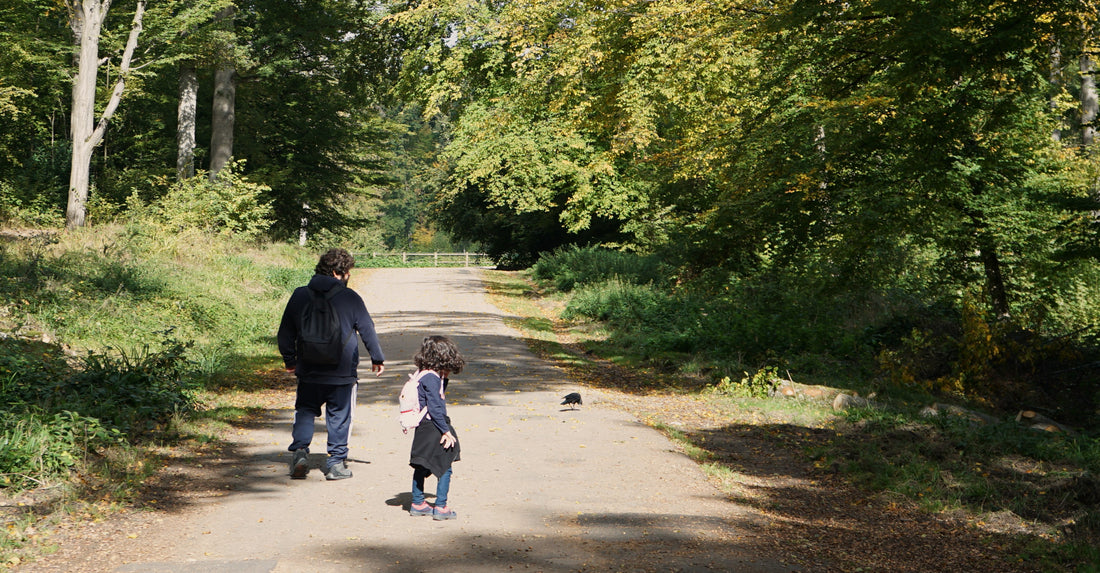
x,y
364,325
431,398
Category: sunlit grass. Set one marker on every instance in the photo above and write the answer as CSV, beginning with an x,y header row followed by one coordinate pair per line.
x,y
124,293
681,439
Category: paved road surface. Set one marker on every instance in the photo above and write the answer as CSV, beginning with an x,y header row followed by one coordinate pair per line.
x,y
540,487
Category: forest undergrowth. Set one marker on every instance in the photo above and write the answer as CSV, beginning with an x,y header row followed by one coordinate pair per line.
x,y
979,459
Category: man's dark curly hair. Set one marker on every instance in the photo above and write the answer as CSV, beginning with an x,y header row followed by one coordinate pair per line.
x,y
439,353
336,261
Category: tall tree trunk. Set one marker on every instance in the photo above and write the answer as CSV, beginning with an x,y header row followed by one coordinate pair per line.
x,y
86,20
1089,106
185,122
224,116
224,110
303,229
1056,85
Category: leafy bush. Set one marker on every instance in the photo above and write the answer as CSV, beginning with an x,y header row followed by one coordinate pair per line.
x,y
130,391
759,385
28,207
230,204
572,266
134,391
753,321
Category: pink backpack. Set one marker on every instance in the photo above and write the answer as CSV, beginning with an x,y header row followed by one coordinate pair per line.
x,y
409,401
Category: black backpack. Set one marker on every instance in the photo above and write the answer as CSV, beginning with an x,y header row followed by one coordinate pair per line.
x,y
320,338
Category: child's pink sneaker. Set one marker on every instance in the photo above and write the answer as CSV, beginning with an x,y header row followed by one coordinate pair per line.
x,y
422,509
442,513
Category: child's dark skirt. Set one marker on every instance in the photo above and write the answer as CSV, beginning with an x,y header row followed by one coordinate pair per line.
x,y
428,453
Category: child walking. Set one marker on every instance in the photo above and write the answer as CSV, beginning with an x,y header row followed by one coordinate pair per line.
x,y
435,445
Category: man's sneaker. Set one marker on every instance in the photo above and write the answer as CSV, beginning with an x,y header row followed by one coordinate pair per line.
x,y
442,513
339,470
422,509
299,464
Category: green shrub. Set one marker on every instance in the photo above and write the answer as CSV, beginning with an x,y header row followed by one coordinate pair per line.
x,y
131,391
753,323
641,315
570,267
135,391
759,385
230,204
28,206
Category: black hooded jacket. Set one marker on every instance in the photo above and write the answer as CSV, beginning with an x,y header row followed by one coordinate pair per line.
x,y
353,318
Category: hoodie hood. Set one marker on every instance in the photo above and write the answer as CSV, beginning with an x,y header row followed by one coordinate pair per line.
x,y
322,283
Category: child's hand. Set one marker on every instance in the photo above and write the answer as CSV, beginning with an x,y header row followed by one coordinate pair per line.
x,y
448,441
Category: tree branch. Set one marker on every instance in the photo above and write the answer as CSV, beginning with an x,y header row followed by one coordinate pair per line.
x,y
124,70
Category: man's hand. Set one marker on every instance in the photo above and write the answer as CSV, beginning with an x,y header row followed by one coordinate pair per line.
x,y
448,441
292,369
378,369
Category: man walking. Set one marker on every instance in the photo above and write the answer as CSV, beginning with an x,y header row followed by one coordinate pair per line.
x,y
326,379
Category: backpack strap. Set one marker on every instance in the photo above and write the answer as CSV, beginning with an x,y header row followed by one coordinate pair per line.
x,y
442,396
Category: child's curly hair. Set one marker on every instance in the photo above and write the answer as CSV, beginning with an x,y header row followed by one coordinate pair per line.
x,y
439,353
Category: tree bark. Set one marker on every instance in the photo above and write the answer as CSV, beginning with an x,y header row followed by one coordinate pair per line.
x,y
185,122
86,20
303,230
1055,86
224,112
224,116
1089,105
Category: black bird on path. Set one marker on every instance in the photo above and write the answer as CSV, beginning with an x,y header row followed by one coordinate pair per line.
x,y
571,399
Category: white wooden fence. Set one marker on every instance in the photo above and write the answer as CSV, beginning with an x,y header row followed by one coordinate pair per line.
x,y
434,259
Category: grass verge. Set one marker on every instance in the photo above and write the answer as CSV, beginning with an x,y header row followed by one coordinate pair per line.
x,y
120,347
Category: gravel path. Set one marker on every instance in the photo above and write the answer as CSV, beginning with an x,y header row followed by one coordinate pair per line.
x,y
540,487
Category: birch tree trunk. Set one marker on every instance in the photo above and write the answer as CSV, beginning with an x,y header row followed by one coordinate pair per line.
x,y
303,229
185,122
86,20
1055,86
